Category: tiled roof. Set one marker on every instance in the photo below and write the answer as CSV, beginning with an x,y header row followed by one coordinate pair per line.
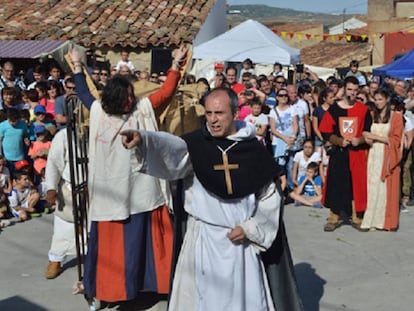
x,y
100,23
332,54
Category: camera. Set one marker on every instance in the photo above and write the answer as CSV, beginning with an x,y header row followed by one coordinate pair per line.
x,y
299,68
248,85
248,93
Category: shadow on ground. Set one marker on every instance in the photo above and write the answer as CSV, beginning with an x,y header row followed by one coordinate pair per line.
x,y
311,286
17,303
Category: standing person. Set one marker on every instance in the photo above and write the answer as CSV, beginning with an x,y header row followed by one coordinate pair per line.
x,y
39,74
259,120
104,75
346,186
124,61
302,109
231,78
57,180
8,79
60,106
13,138
38,151
385,139
230,219
353,69
130,245
326,100
283,122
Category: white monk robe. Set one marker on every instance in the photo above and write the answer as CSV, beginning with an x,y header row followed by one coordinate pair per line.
x,y
213,273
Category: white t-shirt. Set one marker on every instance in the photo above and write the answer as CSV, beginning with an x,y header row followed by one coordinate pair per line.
x,y
19,198
128,63
257,121
283,120
303,164
302,109
409,124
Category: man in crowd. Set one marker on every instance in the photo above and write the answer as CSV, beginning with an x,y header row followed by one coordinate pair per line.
x,y
346,188
231,78
8,79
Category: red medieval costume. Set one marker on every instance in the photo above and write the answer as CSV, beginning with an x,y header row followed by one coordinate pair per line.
x,y
347,169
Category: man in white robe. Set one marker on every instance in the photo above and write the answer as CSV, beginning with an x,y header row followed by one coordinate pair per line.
x,y
231,219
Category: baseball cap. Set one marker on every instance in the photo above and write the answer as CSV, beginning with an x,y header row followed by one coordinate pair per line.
x,y
22,164
39,109
39,129
218,66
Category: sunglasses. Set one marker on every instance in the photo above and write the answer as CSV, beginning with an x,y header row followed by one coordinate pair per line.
x,y
279,82
71,87
360,99
154,77
104,73
282,95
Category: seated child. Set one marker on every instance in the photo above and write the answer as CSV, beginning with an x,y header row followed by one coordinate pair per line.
x,y
23,198
309,189
258,119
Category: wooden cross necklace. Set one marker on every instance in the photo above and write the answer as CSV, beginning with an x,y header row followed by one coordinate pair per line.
x,y
226,167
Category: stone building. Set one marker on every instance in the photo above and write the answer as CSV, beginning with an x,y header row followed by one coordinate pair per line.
x,y
390,28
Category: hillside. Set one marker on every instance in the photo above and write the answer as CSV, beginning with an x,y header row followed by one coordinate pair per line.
x,y
267,14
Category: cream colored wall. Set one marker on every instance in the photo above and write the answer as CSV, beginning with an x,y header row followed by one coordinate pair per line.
x,y
404,9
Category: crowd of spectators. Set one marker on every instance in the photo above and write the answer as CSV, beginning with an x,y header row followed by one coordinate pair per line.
x,y
286,114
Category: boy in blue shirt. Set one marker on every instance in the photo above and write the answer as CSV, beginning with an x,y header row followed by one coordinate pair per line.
x,y
309,189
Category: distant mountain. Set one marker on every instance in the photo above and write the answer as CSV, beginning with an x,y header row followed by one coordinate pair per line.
x,y
239,13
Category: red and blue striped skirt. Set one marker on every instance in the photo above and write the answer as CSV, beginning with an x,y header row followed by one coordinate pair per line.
x,y
125,257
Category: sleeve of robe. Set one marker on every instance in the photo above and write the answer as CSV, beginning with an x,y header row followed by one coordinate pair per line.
x,y
261,229
55,161
163,155
393,150
167,89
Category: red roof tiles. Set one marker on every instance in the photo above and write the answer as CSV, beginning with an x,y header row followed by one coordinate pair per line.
x,y
104,22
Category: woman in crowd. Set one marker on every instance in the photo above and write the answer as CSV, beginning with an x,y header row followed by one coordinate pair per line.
x,y
54,90
326,99
385,138
284,129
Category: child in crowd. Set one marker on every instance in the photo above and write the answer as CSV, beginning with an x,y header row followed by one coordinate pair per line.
x,y
302,159
23,198
258,119
40,119
247,67
309,189
39,150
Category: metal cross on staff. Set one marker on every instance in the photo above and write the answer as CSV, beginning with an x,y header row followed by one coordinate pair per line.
x,y
226,167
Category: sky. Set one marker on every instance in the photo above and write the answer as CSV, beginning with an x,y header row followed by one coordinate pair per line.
x,y
320,6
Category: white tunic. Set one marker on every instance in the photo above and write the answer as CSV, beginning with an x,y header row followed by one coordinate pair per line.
x,y
116,189
213,273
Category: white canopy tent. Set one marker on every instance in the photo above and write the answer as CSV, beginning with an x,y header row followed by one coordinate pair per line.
x,y
249,39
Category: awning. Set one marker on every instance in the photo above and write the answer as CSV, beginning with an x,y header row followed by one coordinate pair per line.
x,y
32,49
28,48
